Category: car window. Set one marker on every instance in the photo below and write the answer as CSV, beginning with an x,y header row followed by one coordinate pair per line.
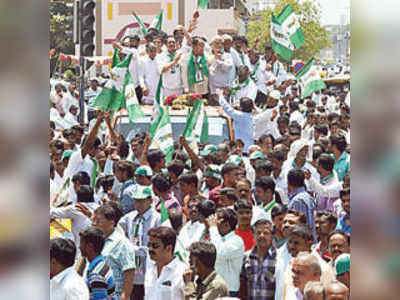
x,y
218,129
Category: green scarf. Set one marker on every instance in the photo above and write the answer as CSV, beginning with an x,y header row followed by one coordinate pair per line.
x,y
241,57
171,57
195,67
326,179
239,86
269,206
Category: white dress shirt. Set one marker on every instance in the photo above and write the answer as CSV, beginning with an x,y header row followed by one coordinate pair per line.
x,y
79,221
249,91
149,77
219,72
77,164
283,258
230,252
68,285
172,79
191,232
169,285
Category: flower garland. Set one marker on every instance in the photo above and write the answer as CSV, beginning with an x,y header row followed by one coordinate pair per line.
x,y
179,102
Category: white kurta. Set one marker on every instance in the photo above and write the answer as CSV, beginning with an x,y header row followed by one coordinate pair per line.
x,y
149,77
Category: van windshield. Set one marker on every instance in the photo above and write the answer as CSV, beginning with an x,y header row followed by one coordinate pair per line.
x,y
218,130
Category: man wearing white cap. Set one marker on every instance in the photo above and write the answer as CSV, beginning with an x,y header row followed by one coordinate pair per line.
x,y
135,225
221,65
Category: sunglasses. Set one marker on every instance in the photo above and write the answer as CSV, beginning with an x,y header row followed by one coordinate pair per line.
x,y
153,245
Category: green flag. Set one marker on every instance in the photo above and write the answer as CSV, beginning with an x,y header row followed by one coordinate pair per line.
x,y
202,3
281,44
161,129
309,79
112,96
115,59
143,27
157,21
132,103
164,221
196,127
290,24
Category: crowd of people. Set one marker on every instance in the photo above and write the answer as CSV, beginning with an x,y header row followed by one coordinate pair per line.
x,y
265,215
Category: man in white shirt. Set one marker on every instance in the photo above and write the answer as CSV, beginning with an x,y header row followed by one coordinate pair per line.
x,y
192,231
79,221
164,272
70,118
149,74
230,247
227,49
220,67
90,96
263,78
65,283
170,68
305,268
244,86
84,159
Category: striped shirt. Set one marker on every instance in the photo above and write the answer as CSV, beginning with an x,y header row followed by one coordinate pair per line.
x,y
259,274
100,280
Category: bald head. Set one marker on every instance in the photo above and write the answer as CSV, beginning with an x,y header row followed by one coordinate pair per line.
x,y
313,290
305,268
336,291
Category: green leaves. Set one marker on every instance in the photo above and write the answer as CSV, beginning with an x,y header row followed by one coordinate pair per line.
x,y
316,36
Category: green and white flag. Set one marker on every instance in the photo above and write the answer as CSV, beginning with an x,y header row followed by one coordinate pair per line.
x,y
164,220
281,44
290,24
143,27
112,96
161,129
310,79
202,3
132,103
157,21
115,59
196,127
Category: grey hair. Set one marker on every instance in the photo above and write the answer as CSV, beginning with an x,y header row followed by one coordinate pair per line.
x,y
313,288
311,260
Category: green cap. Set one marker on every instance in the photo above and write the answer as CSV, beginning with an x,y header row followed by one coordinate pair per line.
x,y
142,192
256,155
144,171
208,149
236,159
342,264
67,153
213,171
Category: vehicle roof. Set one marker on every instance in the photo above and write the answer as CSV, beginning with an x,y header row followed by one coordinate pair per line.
x,y
211,111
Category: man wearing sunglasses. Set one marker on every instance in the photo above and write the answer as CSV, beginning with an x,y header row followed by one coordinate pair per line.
x,y
164,272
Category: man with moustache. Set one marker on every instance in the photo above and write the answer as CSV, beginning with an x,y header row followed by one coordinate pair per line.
x,y
258,271
164,272
208,285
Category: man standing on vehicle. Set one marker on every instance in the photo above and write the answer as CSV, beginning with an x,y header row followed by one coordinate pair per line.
x,y
170,68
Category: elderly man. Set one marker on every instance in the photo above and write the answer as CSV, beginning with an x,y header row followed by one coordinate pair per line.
x,y
305,268
313,291
336,291
221,65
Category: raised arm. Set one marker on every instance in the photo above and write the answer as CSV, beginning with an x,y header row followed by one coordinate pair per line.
x,y
87,146
193,156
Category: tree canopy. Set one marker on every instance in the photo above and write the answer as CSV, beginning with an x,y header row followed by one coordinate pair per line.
x,y
316,36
